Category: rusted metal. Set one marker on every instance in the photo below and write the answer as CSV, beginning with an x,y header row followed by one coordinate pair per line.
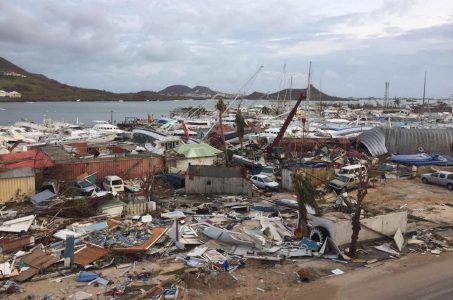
x,y
35,159
124,167
12,244
89,254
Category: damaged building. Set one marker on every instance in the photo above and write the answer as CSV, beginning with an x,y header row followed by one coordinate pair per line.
x,y
217,180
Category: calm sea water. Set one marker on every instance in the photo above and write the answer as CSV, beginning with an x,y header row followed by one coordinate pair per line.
x,y
86,112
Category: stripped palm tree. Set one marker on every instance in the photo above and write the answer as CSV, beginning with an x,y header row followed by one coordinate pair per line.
x,y
240,127
362,191
221,107
306,196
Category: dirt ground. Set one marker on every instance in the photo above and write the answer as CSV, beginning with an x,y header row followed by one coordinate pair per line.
x,y
391,280
424,201
413,193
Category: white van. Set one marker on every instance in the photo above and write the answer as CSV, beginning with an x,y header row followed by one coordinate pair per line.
x,y
352,170
113,184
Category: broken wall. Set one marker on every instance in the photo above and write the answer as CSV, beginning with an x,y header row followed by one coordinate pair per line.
x,y
340,229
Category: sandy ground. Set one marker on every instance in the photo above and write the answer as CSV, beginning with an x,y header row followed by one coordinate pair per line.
x,y
415,276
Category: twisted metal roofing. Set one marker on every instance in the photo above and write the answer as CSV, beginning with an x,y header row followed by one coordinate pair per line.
x,y
382,140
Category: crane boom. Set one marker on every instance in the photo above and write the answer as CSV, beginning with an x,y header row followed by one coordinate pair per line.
x,y
288,120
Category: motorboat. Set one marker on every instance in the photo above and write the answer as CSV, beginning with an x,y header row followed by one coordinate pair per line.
x,y
423,159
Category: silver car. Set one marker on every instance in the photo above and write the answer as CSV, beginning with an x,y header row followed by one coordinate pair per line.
x,y
440,178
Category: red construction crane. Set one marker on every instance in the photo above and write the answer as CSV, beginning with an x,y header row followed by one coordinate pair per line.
x,y
288,120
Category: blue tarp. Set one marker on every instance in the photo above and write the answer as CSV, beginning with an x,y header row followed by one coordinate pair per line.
x,y
84,276
309,244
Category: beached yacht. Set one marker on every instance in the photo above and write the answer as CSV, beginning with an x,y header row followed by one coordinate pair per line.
x,y
155,141
106,128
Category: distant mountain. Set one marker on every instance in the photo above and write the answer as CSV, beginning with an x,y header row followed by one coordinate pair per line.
x,y
315,94
185,91
37,87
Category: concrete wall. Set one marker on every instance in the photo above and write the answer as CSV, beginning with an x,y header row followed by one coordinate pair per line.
x,y
10,187
317,176
340,229
218,185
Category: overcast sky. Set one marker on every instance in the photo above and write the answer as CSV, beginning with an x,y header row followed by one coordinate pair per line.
x,y
123,46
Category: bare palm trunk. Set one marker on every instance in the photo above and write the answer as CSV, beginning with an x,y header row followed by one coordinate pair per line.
x,y
361,193
223,138
302,223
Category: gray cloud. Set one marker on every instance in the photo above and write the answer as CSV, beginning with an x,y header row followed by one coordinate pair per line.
x,y
137,44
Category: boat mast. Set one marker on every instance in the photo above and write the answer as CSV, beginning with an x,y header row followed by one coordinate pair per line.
x,y
424,90
307,106
386,95
320,96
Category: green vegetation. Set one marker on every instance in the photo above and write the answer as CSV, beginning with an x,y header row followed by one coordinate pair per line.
x,y
37,88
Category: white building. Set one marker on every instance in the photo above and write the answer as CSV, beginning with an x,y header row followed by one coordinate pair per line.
x,y
14,94
3,93
11,73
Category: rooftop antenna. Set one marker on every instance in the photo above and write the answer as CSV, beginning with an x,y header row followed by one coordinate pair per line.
x,y
424,90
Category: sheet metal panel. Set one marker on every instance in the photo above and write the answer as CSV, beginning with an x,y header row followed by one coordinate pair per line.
x,y
381,140
10,187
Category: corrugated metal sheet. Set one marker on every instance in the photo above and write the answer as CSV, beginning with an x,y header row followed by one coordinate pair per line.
x,y
125,167
381,140
10,187
35,159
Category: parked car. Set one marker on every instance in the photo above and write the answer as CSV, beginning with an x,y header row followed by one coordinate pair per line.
x,y
344,182
264,182
85,187
113,184
440,178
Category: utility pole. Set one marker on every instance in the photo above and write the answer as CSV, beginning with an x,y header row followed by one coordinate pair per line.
x,y
424,90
